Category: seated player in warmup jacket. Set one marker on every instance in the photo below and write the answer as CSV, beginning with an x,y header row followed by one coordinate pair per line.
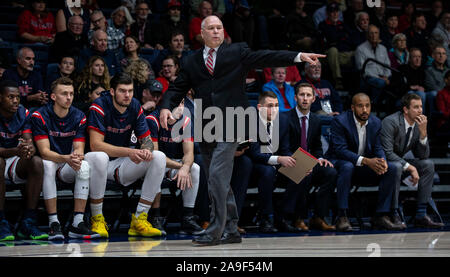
x,y
59,133
18,162
112,120
180,164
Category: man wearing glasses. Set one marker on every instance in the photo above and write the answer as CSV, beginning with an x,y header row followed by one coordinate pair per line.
x,y
115,36
70,42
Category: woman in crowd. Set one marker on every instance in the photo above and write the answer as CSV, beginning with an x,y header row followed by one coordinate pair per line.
x,y
139,71
93,75
131,52
121,19
399,54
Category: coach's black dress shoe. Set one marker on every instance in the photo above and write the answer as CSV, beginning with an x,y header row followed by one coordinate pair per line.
x,y
231,238
205,240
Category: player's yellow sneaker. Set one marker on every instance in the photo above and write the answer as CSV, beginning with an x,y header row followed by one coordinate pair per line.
x,y
98,225
141,227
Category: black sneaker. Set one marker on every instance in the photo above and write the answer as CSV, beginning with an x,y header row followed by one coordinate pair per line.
x,y
55,232
158,223
28,230
190,227
82,232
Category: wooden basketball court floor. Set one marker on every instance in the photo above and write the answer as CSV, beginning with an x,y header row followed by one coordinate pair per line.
x,y
412,243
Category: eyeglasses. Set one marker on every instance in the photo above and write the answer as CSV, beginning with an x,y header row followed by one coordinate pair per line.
x,y
98,20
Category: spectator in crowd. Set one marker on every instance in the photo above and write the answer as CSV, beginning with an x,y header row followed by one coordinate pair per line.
x,y
356,152
434,77
304,130
292,75
204,10
109,115
69,42
99,47
339,47
405,19
378,16
66,68
399,54
284,91
63,15
388,31
327,102
302,32
168,24
29,80
217,7
37,24
180,165
139,71
176,48
414,72
121,20
376,76
93,75
435,14
321,13
242,23
418,35
19,163
359,32
443,27
356,7
115,37
169,71
443,105
265,156
141,28
131,51
404,131
59,133
151,95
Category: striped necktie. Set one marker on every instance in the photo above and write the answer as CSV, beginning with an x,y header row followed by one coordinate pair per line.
x,y
209,61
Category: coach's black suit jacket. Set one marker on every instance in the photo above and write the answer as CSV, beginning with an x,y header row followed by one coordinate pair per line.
x,y
226,87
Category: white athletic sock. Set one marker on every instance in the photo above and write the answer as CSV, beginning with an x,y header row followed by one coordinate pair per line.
x,y
77,219
96,209
141,208
52,218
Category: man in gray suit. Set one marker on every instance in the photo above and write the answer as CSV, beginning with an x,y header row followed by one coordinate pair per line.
x,y
404,131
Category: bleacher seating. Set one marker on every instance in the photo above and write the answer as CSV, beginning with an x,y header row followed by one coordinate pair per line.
x,y
8,32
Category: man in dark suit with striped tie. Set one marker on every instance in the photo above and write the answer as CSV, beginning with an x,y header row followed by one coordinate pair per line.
x,y
217,73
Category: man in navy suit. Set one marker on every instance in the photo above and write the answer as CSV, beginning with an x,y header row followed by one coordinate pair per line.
x,y
356,151
304,130
264,171
217,74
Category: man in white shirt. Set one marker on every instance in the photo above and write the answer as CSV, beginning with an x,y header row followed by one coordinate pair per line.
x,y
406,131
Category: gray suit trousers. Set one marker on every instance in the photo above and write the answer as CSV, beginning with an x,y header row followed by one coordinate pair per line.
x,y
218,159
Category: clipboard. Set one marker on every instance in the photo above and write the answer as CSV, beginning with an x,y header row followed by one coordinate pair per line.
x,y
304,163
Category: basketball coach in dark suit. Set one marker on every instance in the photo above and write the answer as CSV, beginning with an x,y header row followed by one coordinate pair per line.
x,y
217,74
405,131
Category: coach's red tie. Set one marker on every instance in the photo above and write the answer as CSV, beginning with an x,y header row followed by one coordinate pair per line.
x,y
209,61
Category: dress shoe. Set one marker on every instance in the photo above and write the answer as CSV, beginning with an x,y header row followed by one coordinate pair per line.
x,y
343,224
384,223
426,222
205,240
266,226
396,220
286,226
301,225
318,223
190,227
231,238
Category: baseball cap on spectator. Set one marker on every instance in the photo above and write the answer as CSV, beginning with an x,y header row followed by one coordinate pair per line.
x,y
331,7
173,3
154,86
